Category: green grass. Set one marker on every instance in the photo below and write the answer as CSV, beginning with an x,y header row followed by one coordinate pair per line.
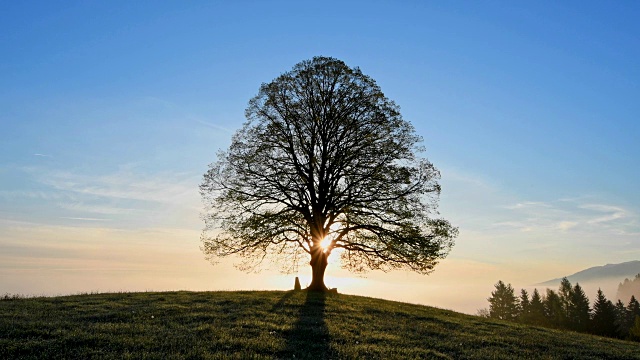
x,y
270,325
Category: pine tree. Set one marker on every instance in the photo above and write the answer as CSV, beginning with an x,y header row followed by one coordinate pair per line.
x,y
579,312
525,307
503,304
621,321
553,309
564,296
629,287
604,316
634,332
633,313
537,309
633,309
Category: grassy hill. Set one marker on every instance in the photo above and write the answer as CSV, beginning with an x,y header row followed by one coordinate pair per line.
x,y
269,325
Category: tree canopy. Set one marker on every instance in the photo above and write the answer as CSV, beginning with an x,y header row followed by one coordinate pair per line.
x,y
325,161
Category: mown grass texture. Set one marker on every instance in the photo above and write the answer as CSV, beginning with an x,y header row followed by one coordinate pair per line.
x,y
273,325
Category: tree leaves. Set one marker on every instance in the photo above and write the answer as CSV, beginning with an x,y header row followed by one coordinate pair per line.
x,y
325,153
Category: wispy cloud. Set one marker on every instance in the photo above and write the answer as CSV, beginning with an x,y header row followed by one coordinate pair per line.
x,y
214,126
130,197
83,218
528,205
179,111
30,194
605,213
42,155
571,215
167,188
99,208
566,225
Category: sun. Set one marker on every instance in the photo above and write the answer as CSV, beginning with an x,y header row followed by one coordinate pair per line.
x,y
325,243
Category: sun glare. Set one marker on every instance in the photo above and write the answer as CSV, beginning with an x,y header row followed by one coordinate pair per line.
x,y
324,244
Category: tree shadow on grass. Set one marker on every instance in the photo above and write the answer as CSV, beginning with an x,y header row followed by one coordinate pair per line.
x,y
309,337
281,303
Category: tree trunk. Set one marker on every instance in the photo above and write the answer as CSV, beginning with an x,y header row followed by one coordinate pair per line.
x,y
318,266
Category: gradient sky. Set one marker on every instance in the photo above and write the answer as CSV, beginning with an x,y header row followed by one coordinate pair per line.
x,y
110,112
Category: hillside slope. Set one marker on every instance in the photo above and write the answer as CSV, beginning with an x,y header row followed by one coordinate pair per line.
x,y
269,325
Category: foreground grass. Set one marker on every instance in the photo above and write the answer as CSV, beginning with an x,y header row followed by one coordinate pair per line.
x,y
268,325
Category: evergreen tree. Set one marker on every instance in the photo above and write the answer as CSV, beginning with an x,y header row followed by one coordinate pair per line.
x,y
503,304
604,316
525,307
564,295
579,312
536,308
553,309
633,309
634,332
629,287
621,321
633,312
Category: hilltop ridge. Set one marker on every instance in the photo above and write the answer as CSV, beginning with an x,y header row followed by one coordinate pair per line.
x,y
274,325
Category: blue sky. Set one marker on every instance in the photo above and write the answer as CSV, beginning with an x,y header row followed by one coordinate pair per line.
x,y
111,112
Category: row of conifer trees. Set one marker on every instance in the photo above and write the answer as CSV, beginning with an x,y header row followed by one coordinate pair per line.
x,y
568,308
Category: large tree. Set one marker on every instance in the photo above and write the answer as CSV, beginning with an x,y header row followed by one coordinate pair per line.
x,y
324,162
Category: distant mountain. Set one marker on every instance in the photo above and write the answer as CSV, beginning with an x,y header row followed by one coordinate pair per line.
x,y
619,271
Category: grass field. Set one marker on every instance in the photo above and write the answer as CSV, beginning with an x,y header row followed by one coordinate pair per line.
x,y
273,325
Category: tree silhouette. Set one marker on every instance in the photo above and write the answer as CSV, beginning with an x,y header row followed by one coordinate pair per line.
x,y
634,331
553,309
579,312
604,316
633,317
629,288
564,294
633,309
524,307
537,309
503,304
566,309
324,162
620,322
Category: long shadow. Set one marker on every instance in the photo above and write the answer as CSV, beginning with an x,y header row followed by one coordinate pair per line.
x,y
309,337
280,304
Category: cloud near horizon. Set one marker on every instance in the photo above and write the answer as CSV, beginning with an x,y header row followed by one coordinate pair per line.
x,y
128,197
496,225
